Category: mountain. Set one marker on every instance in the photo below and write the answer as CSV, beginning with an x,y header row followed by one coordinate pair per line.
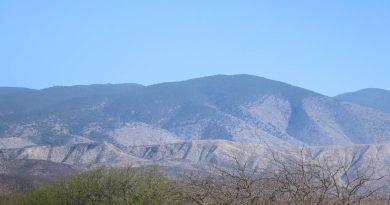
x,y
241,108
197,155
79,155
378,99
12,90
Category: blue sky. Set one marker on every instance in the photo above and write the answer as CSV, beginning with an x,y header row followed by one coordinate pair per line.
x,y
327,46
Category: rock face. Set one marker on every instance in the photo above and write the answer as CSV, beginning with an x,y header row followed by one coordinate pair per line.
x,y
80,155
132,134
14,142
198,155
239,108
220,152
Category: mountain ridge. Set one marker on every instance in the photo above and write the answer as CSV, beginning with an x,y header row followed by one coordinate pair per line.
x,y
232,107
197,154
376,98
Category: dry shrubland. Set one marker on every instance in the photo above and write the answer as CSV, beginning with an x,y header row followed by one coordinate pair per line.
x,y
292,181
288,180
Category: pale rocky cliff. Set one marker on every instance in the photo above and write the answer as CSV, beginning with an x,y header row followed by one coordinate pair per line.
x,y
199,154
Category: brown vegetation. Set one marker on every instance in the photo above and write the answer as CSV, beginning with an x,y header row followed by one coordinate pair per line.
x,y
291,181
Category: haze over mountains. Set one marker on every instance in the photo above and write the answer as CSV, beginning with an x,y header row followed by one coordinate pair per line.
x,y
240,108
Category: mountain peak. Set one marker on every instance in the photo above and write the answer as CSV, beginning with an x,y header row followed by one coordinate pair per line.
x,y
241,107
376,98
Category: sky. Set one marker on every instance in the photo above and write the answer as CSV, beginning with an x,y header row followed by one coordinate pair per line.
x,y
327,46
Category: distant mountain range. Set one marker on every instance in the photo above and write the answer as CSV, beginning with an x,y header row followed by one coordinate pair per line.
x,y
240,108
375,98
185,126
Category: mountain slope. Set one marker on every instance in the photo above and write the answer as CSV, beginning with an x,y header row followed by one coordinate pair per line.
x,y
22,175
12,90
238,108
375,98
220,152
199,155
80,155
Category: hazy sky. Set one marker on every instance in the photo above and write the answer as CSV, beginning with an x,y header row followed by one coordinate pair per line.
x,y
326,46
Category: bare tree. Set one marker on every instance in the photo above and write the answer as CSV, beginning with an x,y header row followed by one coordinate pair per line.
x,y
298,179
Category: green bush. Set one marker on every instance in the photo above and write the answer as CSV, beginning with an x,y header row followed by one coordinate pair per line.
x,y
112,186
